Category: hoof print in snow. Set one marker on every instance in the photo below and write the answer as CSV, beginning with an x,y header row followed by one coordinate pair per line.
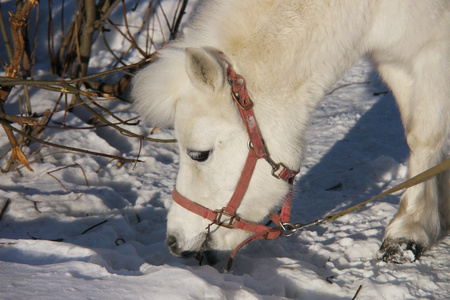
x,y
400,251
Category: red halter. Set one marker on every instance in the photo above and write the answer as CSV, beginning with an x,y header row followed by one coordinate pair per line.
x,y
226,217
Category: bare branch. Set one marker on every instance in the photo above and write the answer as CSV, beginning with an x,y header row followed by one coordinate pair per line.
x,y
65,147
90,10
70,54
5,36
18,24
19,119
176,24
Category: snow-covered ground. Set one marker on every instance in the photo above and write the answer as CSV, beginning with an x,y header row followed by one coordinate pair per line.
x,y
49,248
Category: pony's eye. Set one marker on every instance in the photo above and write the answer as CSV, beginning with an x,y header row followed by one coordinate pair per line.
x,y
199,156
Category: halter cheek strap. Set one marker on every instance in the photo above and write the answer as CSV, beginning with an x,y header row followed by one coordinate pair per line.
x,y
226,216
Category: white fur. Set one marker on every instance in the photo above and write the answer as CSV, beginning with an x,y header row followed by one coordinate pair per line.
x,y
290,53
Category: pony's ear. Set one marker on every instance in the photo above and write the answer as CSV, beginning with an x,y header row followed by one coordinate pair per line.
x,y
206,68
157,88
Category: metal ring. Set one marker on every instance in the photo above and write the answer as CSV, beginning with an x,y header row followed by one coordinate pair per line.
x,y
288,228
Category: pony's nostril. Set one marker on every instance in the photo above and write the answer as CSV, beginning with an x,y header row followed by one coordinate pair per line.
x,y
173,245
171,240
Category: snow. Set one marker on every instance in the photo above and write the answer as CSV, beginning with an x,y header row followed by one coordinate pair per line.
x,y
356,149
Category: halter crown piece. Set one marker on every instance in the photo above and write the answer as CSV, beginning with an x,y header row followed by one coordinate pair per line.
x,y
226,216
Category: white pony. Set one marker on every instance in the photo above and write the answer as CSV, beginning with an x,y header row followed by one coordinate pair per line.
x,y
290,53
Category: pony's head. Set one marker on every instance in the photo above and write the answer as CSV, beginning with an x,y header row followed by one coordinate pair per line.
x,y
188,89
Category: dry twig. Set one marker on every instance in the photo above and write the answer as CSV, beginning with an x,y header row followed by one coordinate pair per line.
x,y
5,207
357,292
71,56
92,227
18,22
66,167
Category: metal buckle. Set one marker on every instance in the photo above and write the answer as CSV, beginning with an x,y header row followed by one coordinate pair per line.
x,y
289,229
276,167
279,167
227,223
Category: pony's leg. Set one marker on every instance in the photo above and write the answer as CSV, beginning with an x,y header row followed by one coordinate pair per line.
x,y
422,94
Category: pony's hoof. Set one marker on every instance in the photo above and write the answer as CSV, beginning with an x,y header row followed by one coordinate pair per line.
x,y
400,251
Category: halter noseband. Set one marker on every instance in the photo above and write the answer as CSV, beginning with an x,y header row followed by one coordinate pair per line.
x,y
226,216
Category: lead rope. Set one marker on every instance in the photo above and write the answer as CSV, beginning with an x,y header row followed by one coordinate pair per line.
x,y
426,175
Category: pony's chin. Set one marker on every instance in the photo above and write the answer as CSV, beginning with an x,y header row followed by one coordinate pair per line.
x,y
209,257
186,254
